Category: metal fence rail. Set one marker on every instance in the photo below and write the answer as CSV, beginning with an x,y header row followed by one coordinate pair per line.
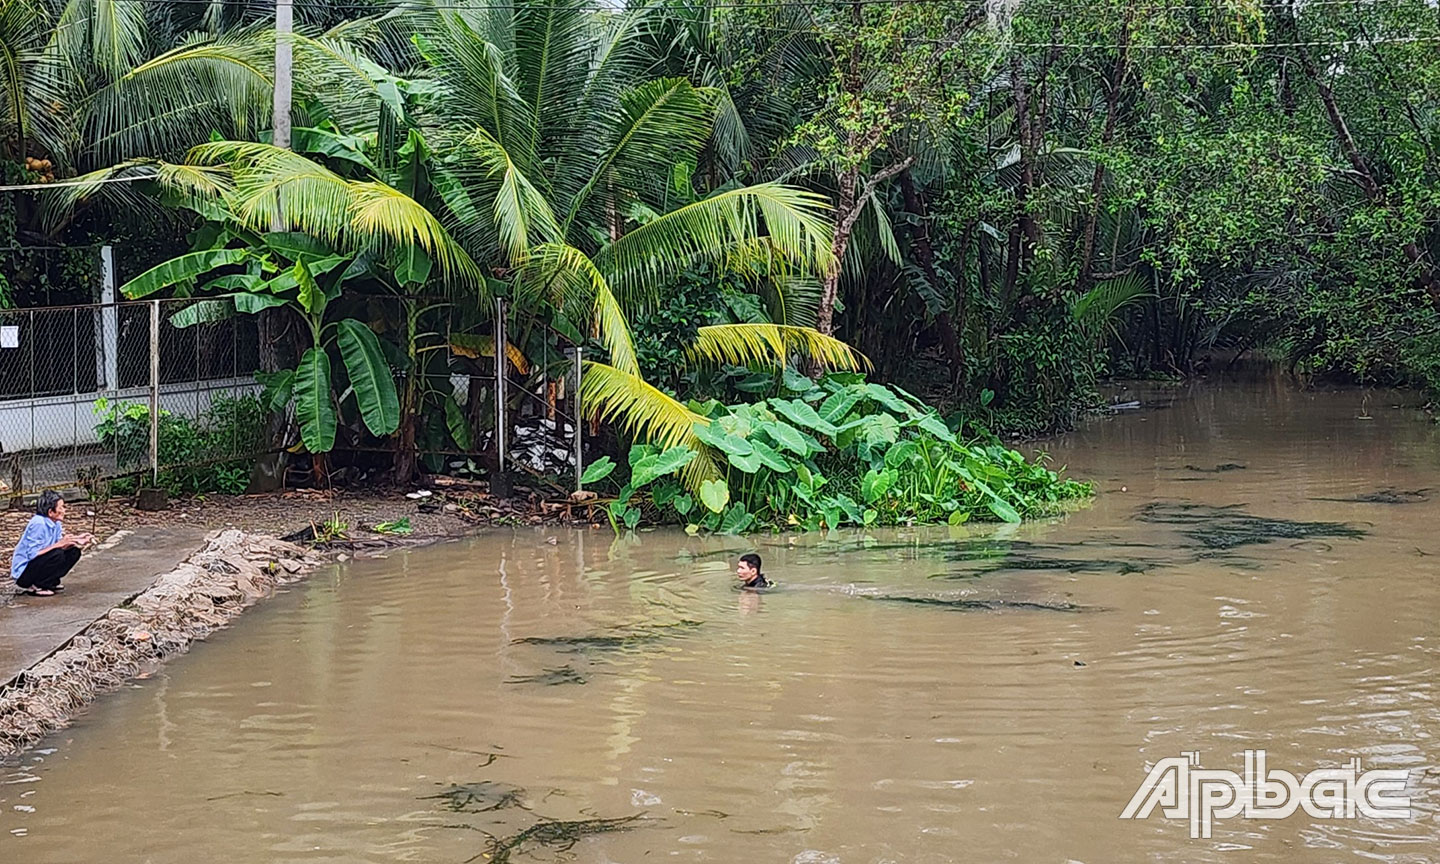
x,y
94,392
97,391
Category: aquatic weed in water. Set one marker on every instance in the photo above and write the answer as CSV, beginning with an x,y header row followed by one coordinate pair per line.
x,y
555,834
1230,527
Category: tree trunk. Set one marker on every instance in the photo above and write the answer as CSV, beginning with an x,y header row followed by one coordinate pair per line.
x,y
1426,278
1097,182
844,224
925,255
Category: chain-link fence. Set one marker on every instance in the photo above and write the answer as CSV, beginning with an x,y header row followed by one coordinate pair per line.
x,y
463,392
166,390
97,391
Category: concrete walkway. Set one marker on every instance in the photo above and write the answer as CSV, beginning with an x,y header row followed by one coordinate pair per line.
x,y
32,628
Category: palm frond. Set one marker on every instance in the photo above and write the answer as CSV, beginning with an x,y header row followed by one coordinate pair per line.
x,y
570,279
711,229
646,413
166,104
660,122
522,215
771,345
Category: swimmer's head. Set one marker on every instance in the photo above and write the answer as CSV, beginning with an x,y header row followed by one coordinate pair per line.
x,y
749,567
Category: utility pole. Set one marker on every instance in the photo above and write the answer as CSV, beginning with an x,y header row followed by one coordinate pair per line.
x,y
283,56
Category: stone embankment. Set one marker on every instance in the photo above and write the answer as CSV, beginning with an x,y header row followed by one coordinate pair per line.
x,y
201,595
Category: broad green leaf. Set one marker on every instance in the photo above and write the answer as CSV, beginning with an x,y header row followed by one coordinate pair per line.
x,y
412,265
848,506
202,312
1002,509
875,484
632,517
870,517
714,494
456,423
296,244
737,519
253,304
796,382
598,470
641,451
801,414
837,405
683,505
665,492
277,388
370,377
312,299
233,282
660,465
769,457
879,429
715,436
935,426
880,393
312,401
182,269
749,464
788,436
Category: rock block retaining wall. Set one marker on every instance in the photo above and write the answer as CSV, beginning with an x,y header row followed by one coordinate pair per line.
x,y
201,595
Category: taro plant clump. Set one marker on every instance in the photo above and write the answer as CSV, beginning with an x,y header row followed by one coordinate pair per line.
x,y
841,451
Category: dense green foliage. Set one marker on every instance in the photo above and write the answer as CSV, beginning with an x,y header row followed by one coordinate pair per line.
x,y
996,206
211,454
842,451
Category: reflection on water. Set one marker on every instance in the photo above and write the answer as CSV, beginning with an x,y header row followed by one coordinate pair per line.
x,y
1259,571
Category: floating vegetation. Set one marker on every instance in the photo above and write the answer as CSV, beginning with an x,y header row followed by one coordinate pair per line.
x,y
1384,496
480,797
554,834
970,605
1230,527
550,677
1222,467
618,640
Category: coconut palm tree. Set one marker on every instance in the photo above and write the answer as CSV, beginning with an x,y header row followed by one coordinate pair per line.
x,y
532,154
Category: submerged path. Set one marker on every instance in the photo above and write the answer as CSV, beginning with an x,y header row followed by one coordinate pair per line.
x,y
34,627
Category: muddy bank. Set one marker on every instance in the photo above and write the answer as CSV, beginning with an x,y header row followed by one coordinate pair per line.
x,y
232,571
345,518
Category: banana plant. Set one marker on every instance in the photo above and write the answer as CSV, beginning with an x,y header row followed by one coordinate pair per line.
x,y
306,284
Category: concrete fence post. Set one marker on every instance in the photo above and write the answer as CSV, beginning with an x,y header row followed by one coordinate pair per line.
x,y
107,326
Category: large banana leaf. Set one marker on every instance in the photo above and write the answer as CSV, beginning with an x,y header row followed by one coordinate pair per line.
x,y
369,376
183,268
312,401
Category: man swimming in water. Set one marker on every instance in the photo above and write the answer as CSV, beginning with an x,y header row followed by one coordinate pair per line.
x,y
748,572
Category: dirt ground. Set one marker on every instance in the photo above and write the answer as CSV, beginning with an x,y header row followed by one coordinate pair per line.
x,y
446,512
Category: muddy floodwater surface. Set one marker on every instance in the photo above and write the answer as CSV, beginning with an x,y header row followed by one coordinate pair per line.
x,y
1260,569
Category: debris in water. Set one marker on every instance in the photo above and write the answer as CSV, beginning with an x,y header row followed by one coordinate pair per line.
x,y
1223,466
481,797
550,677
558,835
1230,527
966,605
619,640
1080,663
245,792
1384,496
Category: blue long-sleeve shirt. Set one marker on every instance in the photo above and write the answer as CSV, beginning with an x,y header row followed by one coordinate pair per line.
x,y
40,531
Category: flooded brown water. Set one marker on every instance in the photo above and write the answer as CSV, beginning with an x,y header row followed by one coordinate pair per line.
x,y
402,709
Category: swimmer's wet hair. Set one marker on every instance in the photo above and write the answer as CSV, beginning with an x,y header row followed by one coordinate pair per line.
x,y
752,559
